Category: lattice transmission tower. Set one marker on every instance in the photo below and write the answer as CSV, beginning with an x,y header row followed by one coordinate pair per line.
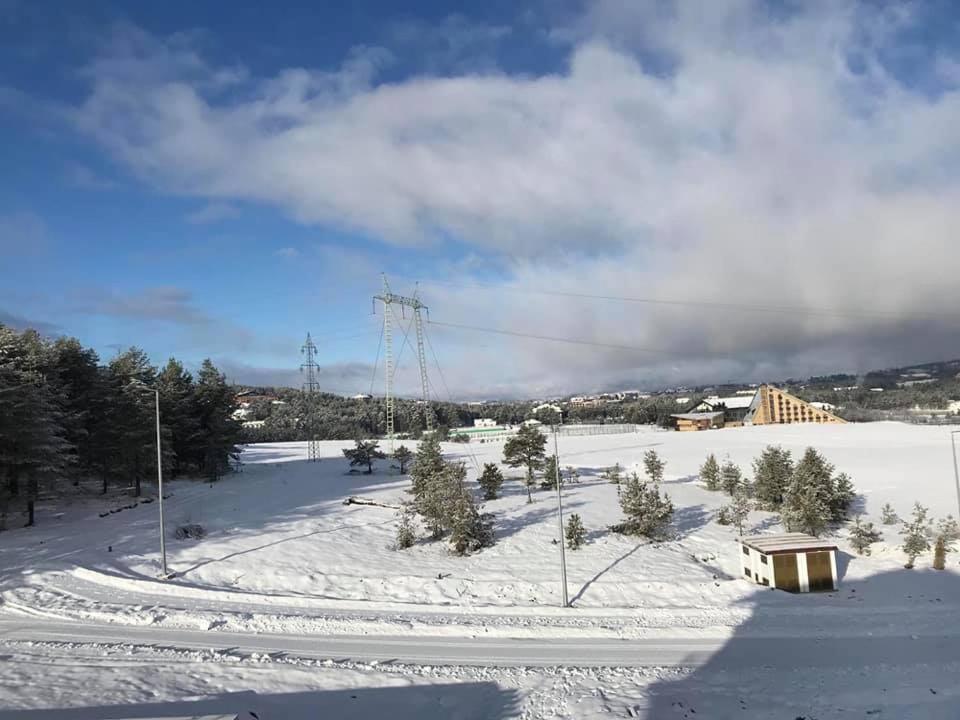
x,y
310,385
389,300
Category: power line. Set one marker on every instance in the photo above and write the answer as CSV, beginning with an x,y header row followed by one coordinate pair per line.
x,y
703,304
548,338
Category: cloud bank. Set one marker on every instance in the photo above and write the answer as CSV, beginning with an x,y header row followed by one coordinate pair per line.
x,y
725,153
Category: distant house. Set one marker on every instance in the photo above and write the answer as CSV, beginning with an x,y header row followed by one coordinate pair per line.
x,y
248,397
823,405
734,408
686,422
254,423
484,423
361,396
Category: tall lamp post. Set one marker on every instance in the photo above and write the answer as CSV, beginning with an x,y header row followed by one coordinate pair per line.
x,y
140,385
956,471
563,553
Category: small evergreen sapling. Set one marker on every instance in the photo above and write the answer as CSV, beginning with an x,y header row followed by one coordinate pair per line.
x,y
740,509
614,474
710,473
403,456
730,478
491,479
916,534
550,473
863,535
406,535
366,453
469,529
648,512
888,516
654,466
572,474
575,533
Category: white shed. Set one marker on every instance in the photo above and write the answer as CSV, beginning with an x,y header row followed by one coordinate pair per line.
x,y
794,562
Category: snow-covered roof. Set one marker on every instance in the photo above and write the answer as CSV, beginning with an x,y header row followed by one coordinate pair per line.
x,y
735,401
698,416
786,542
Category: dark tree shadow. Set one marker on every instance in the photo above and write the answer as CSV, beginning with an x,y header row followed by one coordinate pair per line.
x,y
458,701
608,568
687,520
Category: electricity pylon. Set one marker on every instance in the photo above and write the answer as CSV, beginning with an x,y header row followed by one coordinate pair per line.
x,y
389,299
310,385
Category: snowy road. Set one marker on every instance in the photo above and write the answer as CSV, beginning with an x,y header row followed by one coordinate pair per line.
x,y
785,653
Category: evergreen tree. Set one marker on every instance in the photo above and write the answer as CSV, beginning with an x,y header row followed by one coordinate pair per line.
x,y
426,466
132,415
403,456
731,479
771,475
75,371
219,432
842,497
653,465
469,530
491,479
710,473
179,418
916,534
613,474
366,453
550,472
863,535
888,516
526,449
406,535
575,533
739,509
949,530
805,508
648,512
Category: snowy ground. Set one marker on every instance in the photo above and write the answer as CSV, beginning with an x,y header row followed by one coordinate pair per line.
x,y
283,554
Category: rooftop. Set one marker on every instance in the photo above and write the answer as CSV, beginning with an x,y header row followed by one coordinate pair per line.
x,y
735,401
698,415
786,542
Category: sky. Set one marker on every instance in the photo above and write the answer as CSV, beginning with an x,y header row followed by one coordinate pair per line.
x,y
587,196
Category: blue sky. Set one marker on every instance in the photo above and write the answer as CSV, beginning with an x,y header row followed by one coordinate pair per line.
x,y
209,179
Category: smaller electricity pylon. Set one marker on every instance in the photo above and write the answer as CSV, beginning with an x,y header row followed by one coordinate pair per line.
x,y
389,299
309,350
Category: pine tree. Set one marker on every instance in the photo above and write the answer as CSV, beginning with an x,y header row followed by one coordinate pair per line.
x,y
863,535
366,452
179,418
771,475
491,479
739,509
949,530
526,449
575,533
469,529
614,474
888,516
804,509
406,535
403,456
426,466
550,472
710,473
131,414
219,433
648,512
842,497
916,534
653,465
730,478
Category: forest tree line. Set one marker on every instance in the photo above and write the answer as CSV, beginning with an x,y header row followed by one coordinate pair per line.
x,y
66,417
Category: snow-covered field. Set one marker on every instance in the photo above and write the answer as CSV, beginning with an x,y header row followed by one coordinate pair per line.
x,y
283,554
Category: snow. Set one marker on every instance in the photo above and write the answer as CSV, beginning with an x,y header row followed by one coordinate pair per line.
x,y
283,554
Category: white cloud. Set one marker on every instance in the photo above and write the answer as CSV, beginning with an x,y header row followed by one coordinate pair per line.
x,y
707,151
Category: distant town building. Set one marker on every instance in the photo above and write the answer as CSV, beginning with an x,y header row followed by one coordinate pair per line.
x,y
484,423
768,406
361,396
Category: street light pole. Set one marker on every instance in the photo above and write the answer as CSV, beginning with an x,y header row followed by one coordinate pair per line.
x,y
563,553
956,471
163,541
